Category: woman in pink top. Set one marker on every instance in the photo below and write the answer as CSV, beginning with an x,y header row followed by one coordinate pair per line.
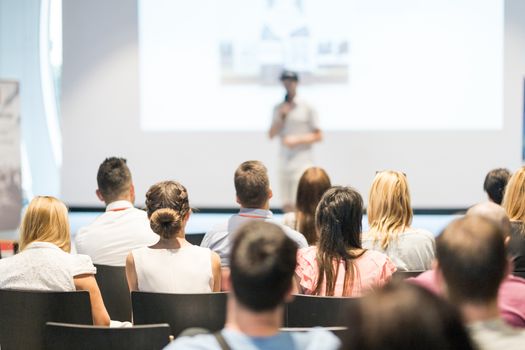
x,y
338,265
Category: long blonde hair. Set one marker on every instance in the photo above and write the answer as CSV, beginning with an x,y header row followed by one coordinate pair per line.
x,y
46,220
389,211
514,197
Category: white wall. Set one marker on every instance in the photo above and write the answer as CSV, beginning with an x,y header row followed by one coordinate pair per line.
x,y
100,116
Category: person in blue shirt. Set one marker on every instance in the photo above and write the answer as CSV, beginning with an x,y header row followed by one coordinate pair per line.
x,y
262,263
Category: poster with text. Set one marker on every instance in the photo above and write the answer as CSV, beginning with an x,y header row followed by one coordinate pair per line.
x,y
10,164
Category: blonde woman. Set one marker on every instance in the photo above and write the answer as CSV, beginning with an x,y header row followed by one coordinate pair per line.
x,y
514,205
389,218
44,262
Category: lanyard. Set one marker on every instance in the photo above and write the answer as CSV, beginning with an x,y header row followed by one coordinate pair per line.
x,y
252,216
117,209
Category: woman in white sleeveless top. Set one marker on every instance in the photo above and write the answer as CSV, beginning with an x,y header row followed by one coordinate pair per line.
x,y
172,265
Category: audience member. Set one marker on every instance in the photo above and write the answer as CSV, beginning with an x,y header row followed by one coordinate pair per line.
x,y
472,263
514,204
262,265
495,183
338,265
401,316
512,289
389,217
172,265
253,191
312,185
122,228
44,262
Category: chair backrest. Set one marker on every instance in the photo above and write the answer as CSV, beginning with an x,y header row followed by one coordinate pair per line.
x,y
180,311
519,273
195,238
23,315
63,336
313,311
115,292
401,275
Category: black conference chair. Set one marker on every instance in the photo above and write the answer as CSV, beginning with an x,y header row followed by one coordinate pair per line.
x,y
115,292
313,311
23,315
195,238
519,273
63,336
402,275
180,311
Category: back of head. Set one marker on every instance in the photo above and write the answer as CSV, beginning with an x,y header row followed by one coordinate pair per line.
x,y
252,184
472,258
289,75
338,220
404,316
262,265
389,210
313,184
494,212
495,183
46,220
167,205
113,178
513,198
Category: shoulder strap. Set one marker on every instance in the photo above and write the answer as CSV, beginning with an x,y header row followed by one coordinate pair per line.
x,y
222,342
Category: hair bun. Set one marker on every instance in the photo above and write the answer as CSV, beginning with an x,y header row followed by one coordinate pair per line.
x,y
165,222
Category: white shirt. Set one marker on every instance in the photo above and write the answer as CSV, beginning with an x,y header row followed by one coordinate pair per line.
x,y
413,250
184,270
218,238
302,119
43,266
110,238
496,335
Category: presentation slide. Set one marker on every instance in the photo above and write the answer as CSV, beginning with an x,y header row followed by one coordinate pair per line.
x,y
210,65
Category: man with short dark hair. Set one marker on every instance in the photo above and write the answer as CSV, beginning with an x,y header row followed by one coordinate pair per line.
x,y
495,183
263,261
472,263
122,228
253,191
511,290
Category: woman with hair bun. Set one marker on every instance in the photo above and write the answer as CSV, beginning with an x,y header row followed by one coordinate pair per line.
x,y
172,265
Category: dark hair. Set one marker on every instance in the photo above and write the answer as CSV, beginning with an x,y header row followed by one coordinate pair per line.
x,y
167,204
262,265
288,74
338,221
495,183
471,255
403,316
113,178
252,184
313,184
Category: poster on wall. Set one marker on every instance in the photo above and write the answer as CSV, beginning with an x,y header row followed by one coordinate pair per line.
x,y
10,156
